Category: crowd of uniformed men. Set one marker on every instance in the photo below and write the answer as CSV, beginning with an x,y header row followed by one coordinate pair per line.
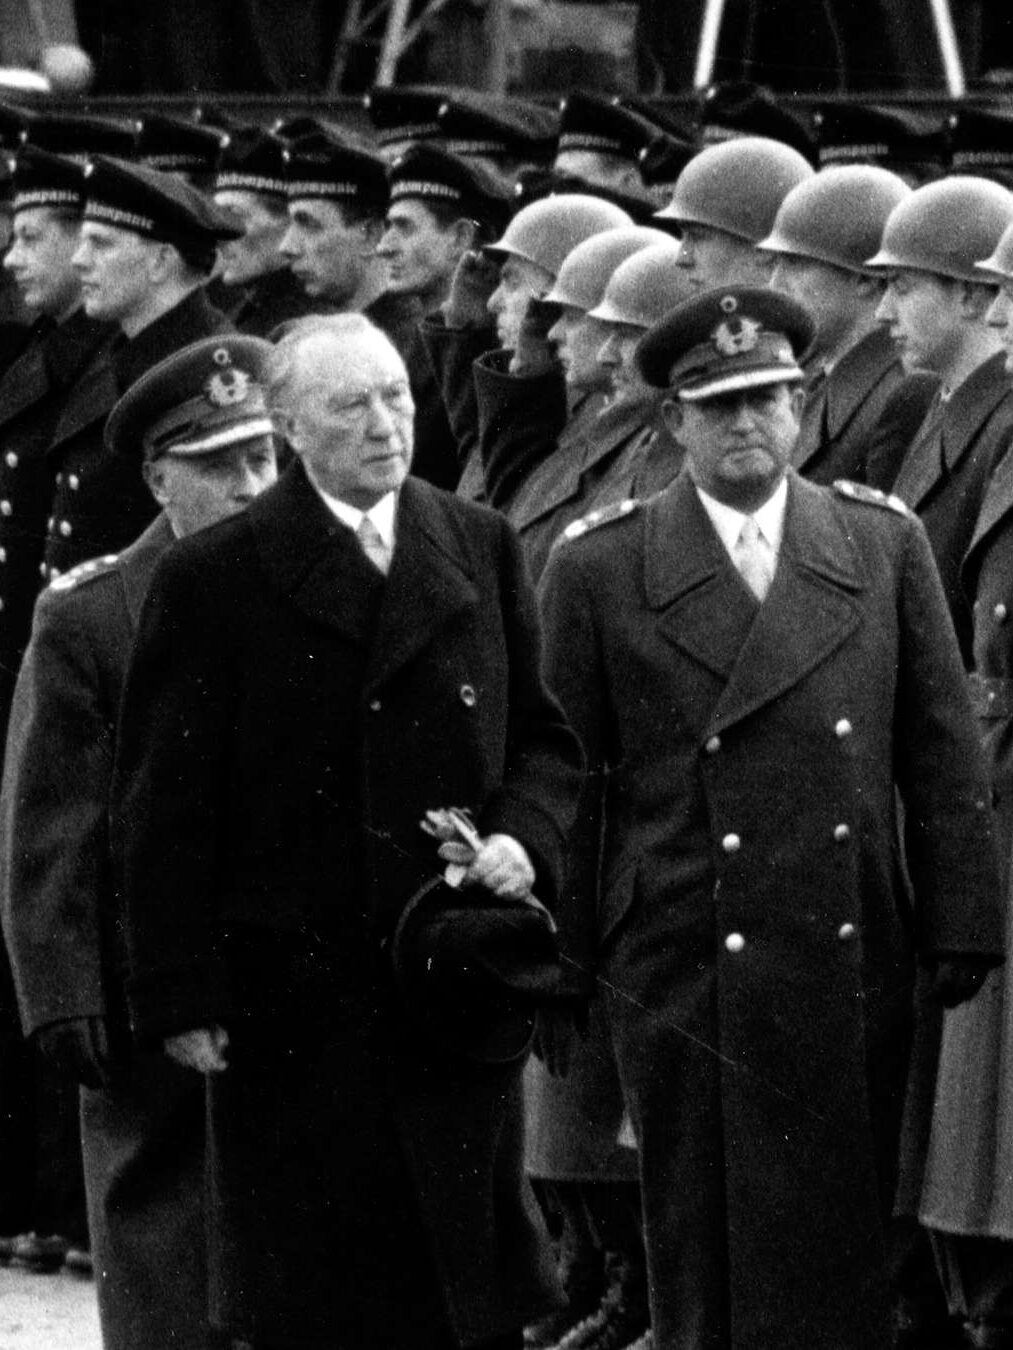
x,y
743,392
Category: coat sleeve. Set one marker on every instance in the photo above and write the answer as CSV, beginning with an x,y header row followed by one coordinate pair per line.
x,y
950,842
167,796
520,420
54,846
452,352
543,763
575,673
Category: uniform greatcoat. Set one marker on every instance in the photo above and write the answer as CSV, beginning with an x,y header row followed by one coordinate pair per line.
x,y
968,1185
753,932
100,503
143,1138
946,470
847,407
288,718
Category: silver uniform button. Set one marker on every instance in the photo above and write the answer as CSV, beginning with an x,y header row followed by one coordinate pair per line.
x,y
735,942
50,523
73,482
3,555
713,745
846,932
66,529
842,833
43,570
375,705
11,459
5,508
731,843
468,696
842,728
1000,612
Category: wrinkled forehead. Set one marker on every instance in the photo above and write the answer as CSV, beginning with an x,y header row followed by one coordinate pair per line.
x,y
344,363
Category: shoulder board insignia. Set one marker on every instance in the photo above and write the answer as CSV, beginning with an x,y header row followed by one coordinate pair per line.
x,y
603,515
870,496
85,571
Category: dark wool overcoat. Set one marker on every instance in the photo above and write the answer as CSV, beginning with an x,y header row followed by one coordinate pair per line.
x,y
288,718
143,1137
753,934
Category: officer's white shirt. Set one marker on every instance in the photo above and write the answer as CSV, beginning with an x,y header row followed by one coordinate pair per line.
x,y
381,514
769,518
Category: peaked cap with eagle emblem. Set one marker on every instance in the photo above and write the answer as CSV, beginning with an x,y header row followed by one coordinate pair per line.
x,y
202,398
728,338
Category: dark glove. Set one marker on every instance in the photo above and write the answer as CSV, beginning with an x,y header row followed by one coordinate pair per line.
x,y
556,1033
80,1048
475,278
958,978
534,354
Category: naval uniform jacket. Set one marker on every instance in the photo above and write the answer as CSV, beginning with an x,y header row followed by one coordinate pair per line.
x,y
143,1137
32,392
101,503
266,303
847,407
945,473
752,927
288,718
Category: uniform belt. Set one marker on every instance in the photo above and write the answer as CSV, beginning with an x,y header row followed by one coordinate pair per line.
x,y
991,697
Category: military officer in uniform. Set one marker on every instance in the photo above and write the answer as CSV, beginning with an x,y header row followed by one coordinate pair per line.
x,y
755,665
310,678
197,428
147,246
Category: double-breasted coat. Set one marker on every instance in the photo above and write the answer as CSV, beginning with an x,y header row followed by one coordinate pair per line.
x,y
753,934
100,503
968,1184
945,473
288,718
143,1136
846,407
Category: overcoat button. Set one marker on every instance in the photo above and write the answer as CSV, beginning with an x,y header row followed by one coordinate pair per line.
x,y
842,833
43,570
49,523
74,482
11,459
3,555
5,508
846,932
66,529
731,843
375,705
1000,612
713,745
59,477
843,728
735,942
468,696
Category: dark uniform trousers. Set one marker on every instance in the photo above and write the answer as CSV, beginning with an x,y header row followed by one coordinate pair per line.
x,y
143,1136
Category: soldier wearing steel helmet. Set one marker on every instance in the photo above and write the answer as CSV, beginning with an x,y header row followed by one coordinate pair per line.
x,y
725,201
825,230
196,429
967,1198
934,308
755,665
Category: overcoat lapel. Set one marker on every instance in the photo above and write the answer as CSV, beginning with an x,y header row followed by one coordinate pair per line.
x,y
971,406
923,466
855,376
431,580
809,611
25,383
90,400
137,563
996,507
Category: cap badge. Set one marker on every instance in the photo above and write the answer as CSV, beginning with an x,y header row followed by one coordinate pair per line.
x,y
228,387
735,336
728,304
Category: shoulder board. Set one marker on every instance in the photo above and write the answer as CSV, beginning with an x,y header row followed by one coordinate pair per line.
x,y
90,570
604,515
870,496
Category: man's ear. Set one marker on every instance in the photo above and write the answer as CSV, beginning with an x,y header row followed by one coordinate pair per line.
x,y
671,413
464,234
153,473
796,399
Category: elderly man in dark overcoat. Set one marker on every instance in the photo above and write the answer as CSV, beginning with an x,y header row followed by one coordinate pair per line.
x,y
306,684
755,665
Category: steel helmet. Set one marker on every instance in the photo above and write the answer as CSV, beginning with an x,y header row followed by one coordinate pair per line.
x,y
837,216
946,227
585,272
737,186
645,287
545,231
998,267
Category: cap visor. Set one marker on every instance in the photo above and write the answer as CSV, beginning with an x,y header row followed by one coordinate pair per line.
x,y
219,440
746,379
